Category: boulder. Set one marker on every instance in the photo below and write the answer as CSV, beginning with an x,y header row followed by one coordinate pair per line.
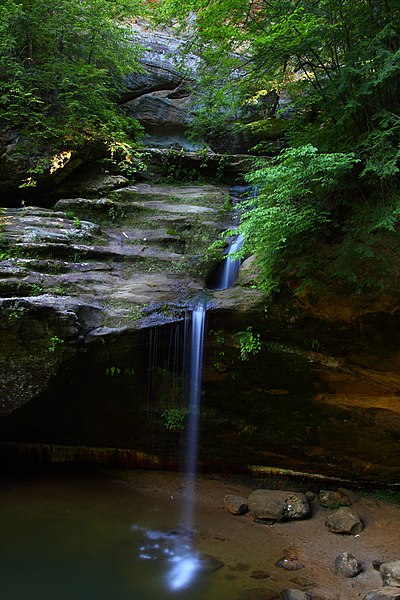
x,y
237,505
331,499
390,573
347,565
383,594
344,520
278,505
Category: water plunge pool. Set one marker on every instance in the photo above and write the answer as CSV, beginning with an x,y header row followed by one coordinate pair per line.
x,y
93,534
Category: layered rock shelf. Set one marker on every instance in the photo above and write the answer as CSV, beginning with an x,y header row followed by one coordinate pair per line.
x,y
94,292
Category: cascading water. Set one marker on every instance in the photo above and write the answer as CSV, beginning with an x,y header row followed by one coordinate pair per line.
x,y
182,358
230,267
178,548
187,561
195,372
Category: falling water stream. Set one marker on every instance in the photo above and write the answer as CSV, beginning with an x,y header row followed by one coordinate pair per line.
x,y
185,561
195,372
229,266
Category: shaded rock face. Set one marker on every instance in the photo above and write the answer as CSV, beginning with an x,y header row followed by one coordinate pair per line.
x,y
161,97
94,296
67,282
38,335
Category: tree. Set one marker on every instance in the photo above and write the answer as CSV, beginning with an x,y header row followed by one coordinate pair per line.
x,y
290,210
338,60
61,67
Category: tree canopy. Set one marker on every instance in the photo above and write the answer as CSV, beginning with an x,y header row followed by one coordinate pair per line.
x,y
339,62
61,66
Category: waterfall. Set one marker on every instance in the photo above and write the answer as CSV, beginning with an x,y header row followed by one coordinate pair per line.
x,y
225,275
186,561
195,371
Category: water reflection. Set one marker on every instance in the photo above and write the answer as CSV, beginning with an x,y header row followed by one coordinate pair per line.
x,y
176,550
183,572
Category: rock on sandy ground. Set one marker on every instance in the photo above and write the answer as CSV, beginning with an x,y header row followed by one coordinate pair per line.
x,y
246,547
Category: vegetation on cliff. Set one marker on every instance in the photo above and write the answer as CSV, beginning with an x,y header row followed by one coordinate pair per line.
x,y
339,185
61,67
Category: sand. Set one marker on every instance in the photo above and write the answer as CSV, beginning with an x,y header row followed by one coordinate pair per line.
x,y
246,547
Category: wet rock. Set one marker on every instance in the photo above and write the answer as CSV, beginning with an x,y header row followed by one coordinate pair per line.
x,y
237,505
390,573
240,567
209,564
278,505
259,574
347,565
344,520
352,496
289,565
292,594
302,582
290,560
94,204
383,594
331,499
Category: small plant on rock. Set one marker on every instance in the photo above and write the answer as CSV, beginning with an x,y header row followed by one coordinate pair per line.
x,y
54,342
174,418
249,343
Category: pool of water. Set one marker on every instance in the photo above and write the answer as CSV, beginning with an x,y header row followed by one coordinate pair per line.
x,y
89,536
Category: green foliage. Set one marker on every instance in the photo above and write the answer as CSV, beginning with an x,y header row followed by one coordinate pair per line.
x,y
61,66
55,341
387,495
36,289
291,208
174,419
116,213
219,340
338,61
16,313
122,371
249,343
